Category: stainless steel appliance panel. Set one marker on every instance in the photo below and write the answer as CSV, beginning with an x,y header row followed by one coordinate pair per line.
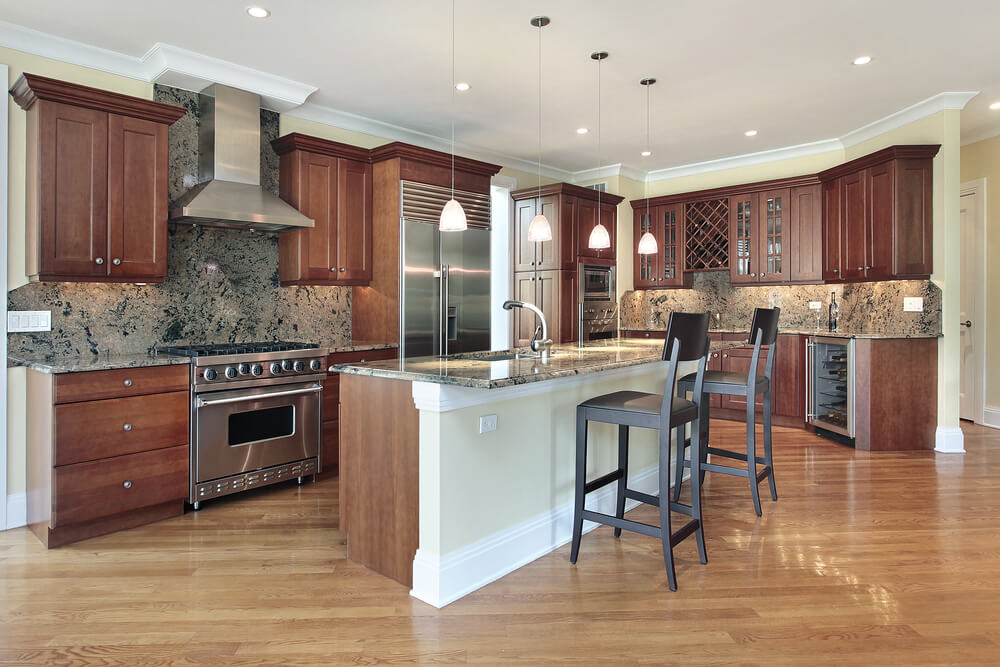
x,y
465,259
597,282
830,384
421,284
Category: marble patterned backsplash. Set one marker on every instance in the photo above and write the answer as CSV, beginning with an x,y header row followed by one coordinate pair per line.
x,y
875,307
221,285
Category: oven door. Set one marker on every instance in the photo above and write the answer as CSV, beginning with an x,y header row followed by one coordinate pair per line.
x,y
246,429
597,283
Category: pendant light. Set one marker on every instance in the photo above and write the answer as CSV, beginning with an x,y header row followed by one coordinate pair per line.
x,y
647,242
453,215
599,237
539,229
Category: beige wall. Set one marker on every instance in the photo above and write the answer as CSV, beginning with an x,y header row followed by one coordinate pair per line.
x,y
982,160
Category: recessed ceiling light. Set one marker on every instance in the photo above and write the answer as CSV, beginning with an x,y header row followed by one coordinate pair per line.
x,y
862,60
462,86
582,130
646,153
995,106
258,12
751,133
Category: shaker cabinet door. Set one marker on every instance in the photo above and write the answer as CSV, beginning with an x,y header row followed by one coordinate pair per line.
x,y
354,221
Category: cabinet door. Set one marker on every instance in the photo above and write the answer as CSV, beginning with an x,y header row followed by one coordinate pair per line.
x,y
854,225
609,218
833,237
789,390
524,320
524,250
714,364
546,252
805,235
567,232
669,225
738,361
586,218
913,255
743,236
73,192
137,197
354,221
318,200
645,268
880,186
549,291
772,236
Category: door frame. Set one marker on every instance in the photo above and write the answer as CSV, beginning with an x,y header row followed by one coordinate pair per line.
x,y
4,129
978,188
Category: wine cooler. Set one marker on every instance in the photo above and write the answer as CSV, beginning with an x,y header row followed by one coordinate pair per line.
x,y
830,385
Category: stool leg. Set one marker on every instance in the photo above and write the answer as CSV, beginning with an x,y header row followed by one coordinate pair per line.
x,y
767,444
703,421
752,451
623,466
581,480
668,553
679,460
696,447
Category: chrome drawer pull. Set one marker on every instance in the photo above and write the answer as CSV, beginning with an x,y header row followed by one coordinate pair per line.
x,y
240,399
128,382
128,427
127,484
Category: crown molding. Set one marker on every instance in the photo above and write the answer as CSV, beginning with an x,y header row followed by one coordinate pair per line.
x,y
596,174
746,160
70,51
922,109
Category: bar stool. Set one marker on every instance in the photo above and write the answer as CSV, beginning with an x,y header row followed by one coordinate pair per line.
x,y
763,332
687,340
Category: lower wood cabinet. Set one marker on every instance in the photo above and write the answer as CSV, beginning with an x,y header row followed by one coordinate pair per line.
x,y
107,450
555,293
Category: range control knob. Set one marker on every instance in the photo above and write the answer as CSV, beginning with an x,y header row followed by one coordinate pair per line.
x,y
244,368
286,365
298,366
257,369
210,374
275,368
231,372
314,364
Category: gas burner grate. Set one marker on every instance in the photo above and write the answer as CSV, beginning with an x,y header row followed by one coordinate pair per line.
x,y
233,348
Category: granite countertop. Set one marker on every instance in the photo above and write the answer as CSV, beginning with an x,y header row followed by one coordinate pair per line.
x,y
821,332
362,346
102,362
565,360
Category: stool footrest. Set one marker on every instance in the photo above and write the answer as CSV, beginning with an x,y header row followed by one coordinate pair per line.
x,y
681,509
626,524
603,481
684,531
762,475
726,470
733,455
642,497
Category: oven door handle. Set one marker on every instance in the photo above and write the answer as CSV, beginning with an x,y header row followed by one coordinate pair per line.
x,y
236,399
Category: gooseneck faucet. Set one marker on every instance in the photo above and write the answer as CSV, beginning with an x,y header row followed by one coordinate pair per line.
x,y
543,344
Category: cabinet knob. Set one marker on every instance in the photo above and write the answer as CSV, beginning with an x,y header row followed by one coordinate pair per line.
x,y
861,268
343,268
99,260
128,382
116,261
127,427
333,268
127,484
868,268
725,356
753,275
836,270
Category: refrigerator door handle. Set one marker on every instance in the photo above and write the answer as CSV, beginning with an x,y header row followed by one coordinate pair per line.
x,y
444,308
810,362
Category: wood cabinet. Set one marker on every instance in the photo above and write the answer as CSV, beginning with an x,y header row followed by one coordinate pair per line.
x,y
96,183
331,183
759,231
107,450
543,255
587,218
805,234
554,292
665,268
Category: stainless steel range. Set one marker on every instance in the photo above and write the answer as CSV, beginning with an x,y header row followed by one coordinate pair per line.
x,y
256,414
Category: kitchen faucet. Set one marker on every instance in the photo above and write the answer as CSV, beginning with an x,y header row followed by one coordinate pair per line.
x,y
543,344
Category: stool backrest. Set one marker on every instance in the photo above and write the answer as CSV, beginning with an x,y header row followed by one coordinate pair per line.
x,y
687,340
763,331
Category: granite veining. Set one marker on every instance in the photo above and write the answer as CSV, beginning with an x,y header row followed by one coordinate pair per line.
x,y
865,308
102,362
565,360
221,286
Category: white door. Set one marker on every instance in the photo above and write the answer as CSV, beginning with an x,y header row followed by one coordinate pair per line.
x,y
971,372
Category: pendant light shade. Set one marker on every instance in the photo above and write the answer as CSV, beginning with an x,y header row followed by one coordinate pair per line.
x,y
647,244
453,217
599,238
539,229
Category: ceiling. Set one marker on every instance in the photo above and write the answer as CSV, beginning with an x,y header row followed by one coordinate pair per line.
x,y
782,67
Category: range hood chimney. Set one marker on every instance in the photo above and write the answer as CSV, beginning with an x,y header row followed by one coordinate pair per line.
x,y
229,192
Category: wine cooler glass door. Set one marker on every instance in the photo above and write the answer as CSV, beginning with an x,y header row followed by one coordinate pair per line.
x,y
831,383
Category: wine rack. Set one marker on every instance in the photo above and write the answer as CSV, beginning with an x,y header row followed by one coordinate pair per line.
x,y
832,394
707,231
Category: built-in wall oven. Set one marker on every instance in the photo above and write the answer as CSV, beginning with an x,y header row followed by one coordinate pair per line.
x,y
598,305
830,386
597,282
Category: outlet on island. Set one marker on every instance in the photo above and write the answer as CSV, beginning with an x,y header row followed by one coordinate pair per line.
x,y
487,423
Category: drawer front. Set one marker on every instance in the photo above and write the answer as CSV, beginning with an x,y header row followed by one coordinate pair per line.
x,y
331,445
637,333
96,489
98,429
331,397
97,385
367,355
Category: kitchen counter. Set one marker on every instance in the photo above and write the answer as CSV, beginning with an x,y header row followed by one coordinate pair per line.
x,y
361,346
817,332
479,371
102,362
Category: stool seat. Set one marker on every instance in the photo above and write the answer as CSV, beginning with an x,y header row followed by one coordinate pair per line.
x,y
682,409
717,382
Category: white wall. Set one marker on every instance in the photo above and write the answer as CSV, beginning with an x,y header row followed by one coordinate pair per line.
x,y
3,290
501,238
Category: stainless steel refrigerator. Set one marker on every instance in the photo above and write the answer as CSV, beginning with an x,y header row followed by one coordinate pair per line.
x,y
444,276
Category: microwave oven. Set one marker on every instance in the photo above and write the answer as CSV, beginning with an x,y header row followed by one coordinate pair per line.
x,y
597,282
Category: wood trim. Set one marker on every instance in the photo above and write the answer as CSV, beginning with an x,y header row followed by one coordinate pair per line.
x,y
727,191
566,189
915,151
57,537
398,149
304,142
31,87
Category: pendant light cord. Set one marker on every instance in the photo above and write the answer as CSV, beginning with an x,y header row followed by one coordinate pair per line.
x,y
599,138
452,99
540,26
645,181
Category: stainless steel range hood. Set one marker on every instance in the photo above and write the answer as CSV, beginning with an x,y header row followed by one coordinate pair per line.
x,y
229,192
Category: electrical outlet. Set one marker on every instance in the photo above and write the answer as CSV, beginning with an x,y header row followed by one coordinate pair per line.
x,y
487,423
815,305
29,320
913,304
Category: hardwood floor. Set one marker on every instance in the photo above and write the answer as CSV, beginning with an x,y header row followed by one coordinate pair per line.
x,y
865,559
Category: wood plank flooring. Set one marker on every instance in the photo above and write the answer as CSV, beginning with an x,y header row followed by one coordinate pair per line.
x,y
884,558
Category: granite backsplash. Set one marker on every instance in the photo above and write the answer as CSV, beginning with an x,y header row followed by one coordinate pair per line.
x,y
875,307
221,286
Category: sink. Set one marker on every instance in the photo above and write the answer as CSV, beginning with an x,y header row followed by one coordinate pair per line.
x,y
503,355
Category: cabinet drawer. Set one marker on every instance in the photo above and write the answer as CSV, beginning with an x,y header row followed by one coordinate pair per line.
x,y
95,385
86,491
99,429
639,333
367,355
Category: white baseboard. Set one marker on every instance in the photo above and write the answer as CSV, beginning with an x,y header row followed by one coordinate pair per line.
x,y
991,417
439,581
949,440
17,510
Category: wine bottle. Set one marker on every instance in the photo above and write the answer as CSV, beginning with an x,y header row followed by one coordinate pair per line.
x,y
834,311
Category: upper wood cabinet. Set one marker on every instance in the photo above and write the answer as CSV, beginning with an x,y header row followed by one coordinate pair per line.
x,y
775,236
664,268
331,183
543,255
805,234
96,183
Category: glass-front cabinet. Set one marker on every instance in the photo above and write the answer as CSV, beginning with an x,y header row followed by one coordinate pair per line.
x,y
772,265
758,230
664,268
742,236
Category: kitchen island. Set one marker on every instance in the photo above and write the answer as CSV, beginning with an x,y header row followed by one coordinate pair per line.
x,y
457,470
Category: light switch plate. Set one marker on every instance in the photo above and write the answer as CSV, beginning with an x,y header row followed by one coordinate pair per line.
x,y
913,304
29,320
815,305
487,423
